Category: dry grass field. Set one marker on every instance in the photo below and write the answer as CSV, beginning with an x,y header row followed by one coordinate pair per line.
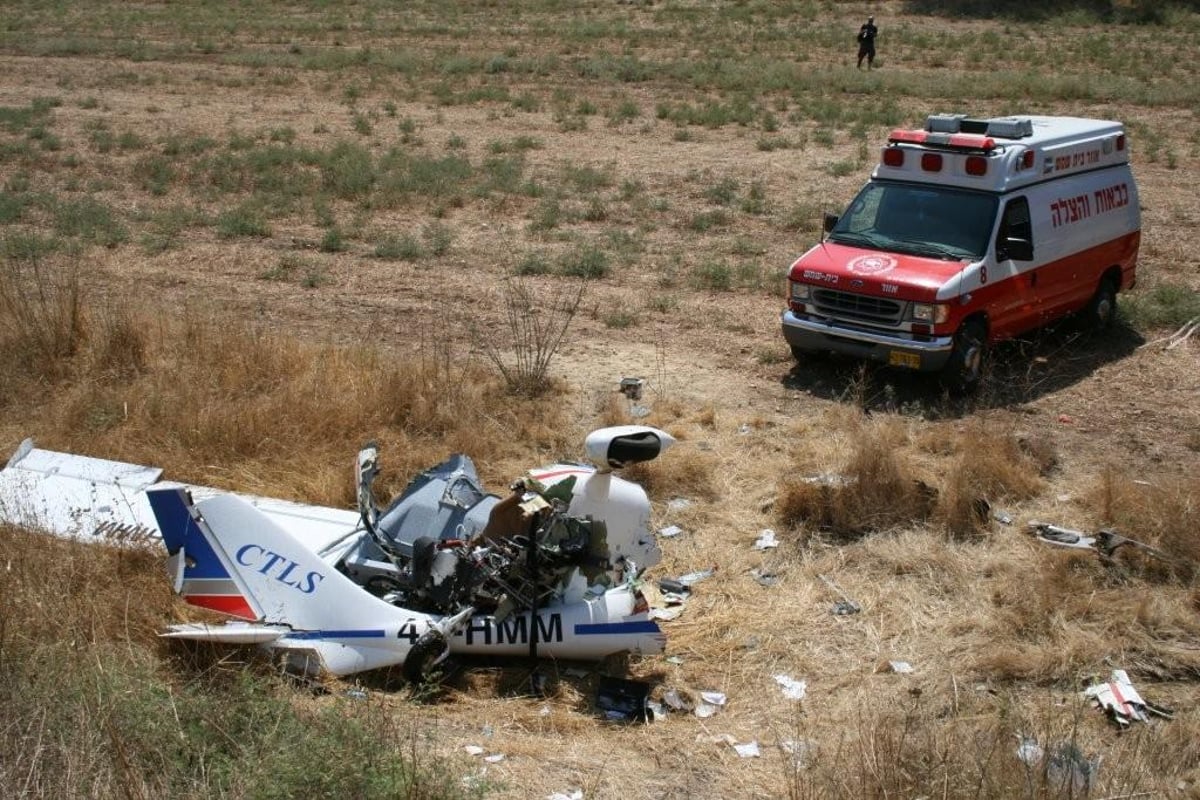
x,y
241,239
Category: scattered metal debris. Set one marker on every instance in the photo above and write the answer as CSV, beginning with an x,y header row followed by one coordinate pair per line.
x,y
1105,542
623,700
846,605
632,387
1121,702
764,578
1067,769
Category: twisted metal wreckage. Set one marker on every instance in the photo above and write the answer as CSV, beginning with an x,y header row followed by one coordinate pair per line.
x,y
554,569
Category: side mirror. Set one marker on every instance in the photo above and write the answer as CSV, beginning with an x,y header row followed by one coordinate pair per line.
x,y
828,221
622,445
1014,248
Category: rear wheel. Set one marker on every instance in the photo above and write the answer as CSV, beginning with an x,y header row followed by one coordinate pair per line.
x,y
964,370
1101,310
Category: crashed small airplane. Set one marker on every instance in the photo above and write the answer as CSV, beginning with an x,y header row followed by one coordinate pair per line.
x,y
551,570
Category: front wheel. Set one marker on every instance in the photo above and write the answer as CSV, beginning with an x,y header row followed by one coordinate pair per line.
x,y
964,370
426,653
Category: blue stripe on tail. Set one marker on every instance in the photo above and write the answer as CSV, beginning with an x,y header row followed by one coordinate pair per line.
x,y
171,509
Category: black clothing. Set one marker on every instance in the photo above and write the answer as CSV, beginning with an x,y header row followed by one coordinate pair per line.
x,y
866,43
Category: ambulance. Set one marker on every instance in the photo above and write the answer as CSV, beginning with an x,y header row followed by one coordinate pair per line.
x,y
970,232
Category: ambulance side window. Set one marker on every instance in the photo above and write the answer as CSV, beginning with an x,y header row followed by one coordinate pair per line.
x,y
1015,237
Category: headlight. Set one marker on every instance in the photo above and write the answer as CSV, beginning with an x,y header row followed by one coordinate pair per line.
x,y
800,291
933,313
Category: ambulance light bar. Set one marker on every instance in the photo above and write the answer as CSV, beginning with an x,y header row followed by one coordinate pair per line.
x,y
953,141
999,127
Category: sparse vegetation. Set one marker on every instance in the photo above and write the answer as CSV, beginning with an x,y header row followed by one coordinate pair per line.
x,y
180,185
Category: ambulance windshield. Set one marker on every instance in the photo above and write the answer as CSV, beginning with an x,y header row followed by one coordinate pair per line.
x,y
921,219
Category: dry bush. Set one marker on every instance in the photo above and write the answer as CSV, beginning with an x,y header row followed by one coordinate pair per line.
x,y
990,467
684,472
226,404
120,344
42,322
1063,619
1162,512
876,489
534,327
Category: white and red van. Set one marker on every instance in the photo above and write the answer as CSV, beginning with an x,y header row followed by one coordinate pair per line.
x,y
969,232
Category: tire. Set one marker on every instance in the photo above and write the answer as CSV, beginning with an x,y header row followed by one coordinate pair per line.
x,y
963,372
1101,311
425,654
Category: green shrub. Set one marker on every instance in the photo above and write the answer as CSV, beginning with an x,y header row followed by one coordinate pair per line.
x,y
242,221
1166,305
399,248
90,220
586,262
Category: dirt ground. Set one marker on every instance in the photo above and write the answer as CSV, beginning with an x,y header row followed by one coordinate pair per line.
x,y
717,373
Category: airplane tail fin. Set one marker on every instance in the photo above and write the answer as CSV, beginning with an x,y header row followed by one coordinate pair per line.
x,y
200,573
228,556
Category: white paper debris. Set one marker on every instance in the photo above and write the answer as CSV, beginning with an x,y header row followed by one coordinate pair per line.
x,y
670,532
1029,751
695,577
678,503
710,703
792,688
748,750
494,758
473,749
800,751
766,540
675,700
573,794
901,667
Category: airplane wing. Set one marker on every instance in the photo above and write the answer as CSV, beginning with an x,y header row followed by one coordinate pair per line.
x,y
94,499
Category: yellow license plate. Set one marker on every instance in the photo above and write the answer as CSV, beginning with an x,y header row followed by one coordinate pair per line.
x,y
899,358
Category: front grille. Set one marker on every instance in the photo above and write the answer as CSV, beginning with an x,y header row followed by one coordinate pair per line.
x,y
847,305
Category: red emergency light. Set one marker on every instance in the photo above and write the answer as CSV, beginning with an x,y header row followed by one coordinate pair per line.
x,y
957,141
1027,159
893,157
977,166
1121,141
931,162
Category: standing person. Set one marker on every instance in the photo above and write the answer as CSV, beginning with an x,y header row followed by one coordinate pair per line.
x,y
866,42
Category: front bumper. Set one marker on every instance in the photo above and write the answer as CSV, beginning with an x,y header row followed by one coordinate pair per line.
x,y
808,333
